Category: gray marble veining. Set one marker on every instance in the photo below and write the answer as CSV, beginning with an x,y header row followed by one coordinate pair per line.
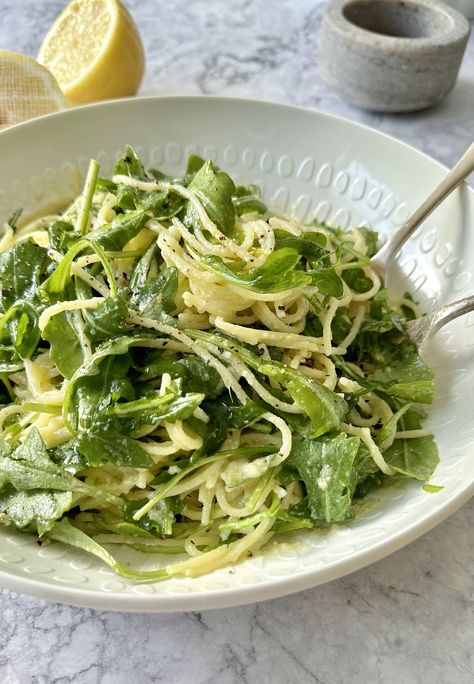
x,y
408,618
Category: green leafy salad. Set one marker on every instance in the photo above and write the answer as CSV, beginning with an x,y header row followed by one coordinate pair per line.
x,y
185,372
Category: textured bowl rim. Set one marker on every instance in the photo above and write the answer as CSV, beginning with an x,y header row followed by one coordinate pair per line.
x,y
241,595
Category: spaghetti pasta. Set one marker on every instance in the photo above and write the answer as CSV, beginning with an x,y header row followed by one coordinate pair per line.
x,y
186,371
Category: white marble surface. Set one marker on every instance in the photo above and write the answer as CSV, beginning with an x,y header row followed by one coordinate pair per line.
x,y
408,618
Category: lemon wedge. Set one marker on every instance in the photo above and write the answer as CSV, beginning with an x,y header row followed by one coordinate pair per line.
x,y
94,50
27,89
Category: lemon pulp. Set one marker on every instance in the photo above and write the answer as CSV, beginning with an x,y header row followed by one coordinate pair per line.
x,y
95,51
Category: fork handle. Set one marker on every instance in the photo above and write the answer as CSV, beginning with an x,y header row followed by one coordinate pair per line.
x,y
451,311
458,173
422,329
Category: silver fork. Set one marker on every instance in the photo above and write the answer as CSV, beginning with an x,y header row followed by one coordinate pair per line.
x,y
383,258
422,329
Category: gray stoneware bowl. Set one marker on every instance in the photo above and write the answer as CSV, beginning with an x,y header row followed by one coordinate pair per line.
x,y
391,55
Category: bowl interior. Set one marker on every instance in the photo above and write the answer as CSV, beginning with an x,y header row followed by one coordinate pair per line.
x,y
397,19
309,165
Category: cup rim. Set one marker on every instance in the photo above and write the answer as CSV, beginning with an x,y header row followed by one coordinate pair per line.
x,y
457,26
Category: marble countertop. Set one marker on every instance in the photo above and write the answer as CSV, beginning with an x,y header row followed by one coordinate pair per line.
x,y
408,618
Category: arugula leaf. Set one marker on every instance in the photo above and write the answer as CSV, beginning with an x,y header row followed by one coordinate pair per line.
x,y
311,245
34,510
121,527
371,238
276,274
296,517
108,319
58,285
325,408
156,299
30,467
62,236
326,466
417,457
5,450
95,392
159,520
214,189
368,483
143,270
366,472
163,205
314,327
300,423
413,418
213,433
195,164
432,489
392,366
340,325
357,280
247,199
10,362
114,236
128,198
130,165
22,269
69,458
193,372
328,282
21,321
99,445
390,427
155,409
102,443
101,381
381,317
234,415
401,372
408,312
65,347
63,531
199,376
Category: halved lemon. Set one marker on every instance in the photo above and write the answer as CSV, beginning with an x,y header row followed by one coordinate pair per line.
x,y
94,50
27,89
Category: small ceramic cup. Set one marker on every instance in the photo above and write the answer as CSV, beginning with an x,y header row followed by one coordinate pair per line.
x,y
391,55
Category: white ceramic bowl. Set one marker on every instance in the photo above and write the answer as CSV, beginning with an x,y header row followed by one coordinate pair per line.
x,y
308,164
